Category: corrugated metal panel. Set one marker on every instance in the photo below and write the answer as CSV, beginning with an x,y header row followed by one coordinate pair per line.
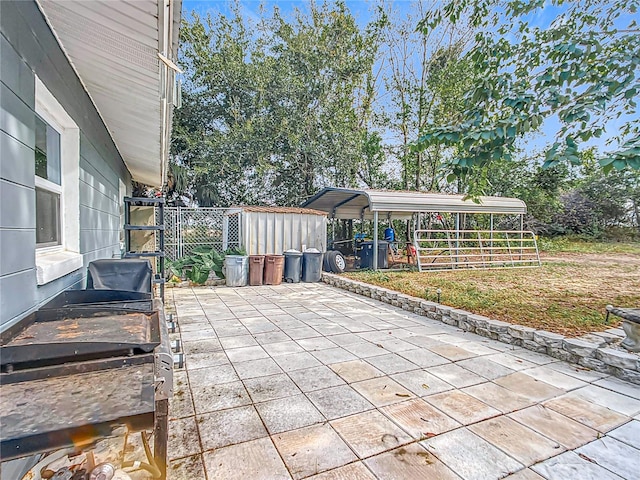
x,y
352,203
274,232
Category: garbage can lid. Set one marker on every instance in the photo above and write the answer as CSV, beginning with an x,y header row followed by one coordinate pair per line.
x,y
293,251
312,250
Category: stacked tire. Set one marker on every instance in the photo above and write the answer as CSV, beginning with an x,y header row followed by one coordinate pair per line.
x,y
334,262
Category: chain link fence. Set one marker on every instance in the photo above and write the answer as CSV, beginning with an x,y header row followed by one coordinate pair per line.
x,y
187,228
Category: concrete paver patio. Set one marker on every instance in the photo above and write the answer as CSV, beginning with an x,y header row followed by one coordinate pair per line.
x,y
308,381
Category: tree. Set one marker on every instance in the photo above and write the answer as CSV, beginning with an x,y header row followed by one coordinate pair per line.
x,y
582,69
424,80
274,111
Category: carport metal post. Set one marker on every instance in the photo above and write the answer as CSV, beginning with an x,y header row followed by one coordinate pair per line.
x,y
375,240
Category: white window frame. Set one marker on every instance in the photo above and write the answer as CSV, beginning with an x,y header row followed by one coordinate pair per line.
x,y
56,261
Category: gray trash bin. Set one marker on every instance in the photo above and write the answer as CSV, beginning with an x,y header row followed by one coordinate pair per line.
x,y
311,266
292,266
236,270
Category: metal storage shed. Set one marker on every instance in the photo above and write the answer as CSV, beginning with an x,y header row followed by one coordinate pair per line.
x,y
461,248
272,230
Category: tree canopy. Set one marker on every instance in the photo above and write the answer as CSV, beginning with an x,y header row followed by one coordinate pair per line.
x,y
581,69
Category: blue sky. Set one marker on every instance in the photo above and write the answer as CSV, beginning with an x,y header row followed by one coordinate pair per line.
x,y
361,10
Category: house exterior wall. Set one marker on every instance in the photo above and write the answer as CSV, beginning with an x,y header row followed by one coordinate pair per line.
x,y
29,48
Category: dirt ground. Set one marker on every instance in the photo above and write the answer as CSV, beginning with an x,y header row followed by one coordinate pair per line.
x,y
567,295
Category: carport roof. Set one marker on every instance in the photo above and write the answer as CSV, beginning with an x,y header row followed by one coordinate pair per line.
x,y
349,204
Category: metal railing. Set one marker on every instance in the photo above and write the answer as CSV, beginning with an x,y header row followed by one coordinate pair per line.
x,y
482,249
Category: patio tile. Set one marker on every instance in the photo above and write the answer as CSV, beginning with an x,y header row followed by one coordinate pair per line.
x,y
257,368
577,371
355,370
382,391
202,346
462,407
525,474
336,402
203,360
193,327
183,438
218,397
302,332
370,433
312,450
534,357
283,348
477,460
457,376
478,348
271,337
529,387
316,343
315,378
288,413
181,404
511,361
333,355
555,426
353,471
606,398
423,358
238,341
619,386
187,468
409,462
485,367
629,433
345,339
330,329
421,383
296,361
396,345
498,397
263,389
209,376
230,330
391,363
555,378
420,419
200,334
613,455
365,349
452,352
588,413
570,466
227,427
249,460
518,441
244,354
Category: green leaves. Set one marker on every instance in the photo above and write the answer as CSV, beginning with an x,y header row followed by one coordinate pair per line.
x,y
581,69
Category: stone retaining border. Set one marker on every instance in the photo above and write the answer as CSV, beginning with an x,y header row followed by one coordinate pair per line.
x,y
594,353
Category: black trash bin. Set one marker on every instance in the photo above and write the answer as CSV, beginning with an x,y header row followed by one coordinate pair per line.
x,y
366,254
292,266
311,266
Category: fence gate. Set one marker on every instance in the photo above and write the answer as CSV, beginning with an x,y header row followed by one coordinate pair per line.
x,y
189,227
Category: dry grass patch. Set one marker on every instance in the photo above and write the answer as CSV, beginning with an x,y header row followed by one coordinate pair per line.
x,y
567,295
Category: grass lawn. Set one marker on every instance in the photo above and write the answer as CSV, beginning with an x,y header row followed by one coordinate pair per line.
x,y
566,295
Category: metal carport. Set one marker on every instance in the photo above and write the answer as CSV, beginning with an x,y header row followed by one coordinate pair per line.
x,y
342,203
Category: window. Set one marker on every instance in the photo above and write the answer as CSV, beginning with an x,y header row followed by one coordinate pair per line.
x,y
57,185
48,185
